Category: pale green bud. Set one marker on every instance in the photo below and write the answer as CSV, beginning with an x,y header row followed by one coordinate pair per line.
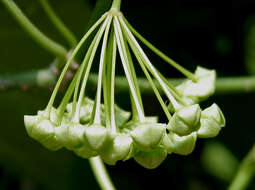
x,y
97,136
147,136
185,120
121,148
203,88
182,145
215,113
62,132
53,115
151,160
85,152
131,125
212,120
44,132
85,111
42,129
74,135
167,143
30,122
121,116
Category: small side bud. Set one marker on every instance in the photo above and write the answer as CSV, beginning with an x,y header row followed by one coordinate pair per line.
x,y
151,160
185,120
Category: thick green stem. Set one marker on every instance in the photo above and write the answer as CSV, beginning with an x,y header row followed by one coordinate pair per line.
x,y
66,33
48,44
46,77
245,172
116,4
101,174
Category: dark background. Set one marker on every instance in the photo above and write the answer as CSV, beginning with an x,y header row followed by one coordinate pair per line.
x,y
214,34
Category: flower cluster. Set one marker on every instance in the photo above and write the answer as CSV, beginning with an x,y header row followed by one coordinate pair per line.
x,y
99,127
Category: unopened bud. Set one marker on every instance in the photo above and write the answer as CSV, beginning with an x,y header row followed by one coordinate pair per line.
x,y
203,88
182,145
96,136
152,159
185,120
147,136
212,120
121,148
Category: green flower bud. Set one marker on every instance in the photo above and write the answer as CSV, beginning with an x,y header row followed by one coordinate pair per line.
x,y
85,152
85,111
42,130
70,134
97,137
167,143
53,115
121,116
209,128
132,124
181,145
151,160
212,120
62,132
203,88
30,122
215,113
147,136
185,120
121,148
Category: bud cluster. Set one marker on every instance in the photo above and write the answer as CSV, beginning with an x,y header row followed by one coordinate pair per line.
x,y
100,127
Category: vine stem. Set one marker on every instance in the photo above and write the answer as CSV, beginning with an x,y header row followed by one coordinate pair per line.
x,y
101,174
33,31
61,27
46,77
245,172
